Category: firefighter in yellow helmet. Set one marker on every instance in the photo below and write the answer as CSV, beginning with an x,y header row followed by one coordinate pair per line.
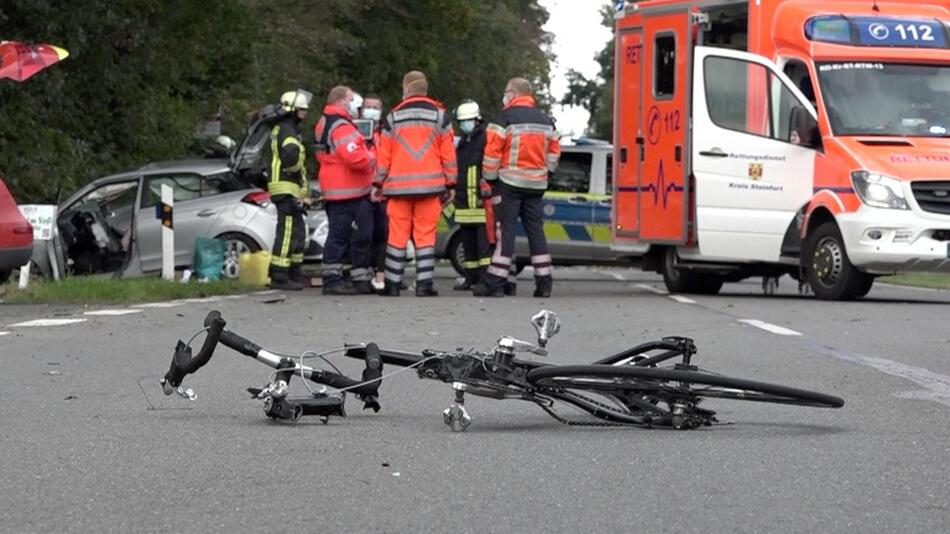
x,y
289,191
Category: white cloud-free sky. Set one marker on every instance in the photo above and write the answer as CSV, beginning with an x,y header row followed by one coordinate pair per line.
x,y
578,37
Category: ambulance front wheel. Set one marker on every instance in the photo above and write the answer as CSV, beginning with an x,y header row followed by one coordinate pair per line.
x,y
828,269
679,280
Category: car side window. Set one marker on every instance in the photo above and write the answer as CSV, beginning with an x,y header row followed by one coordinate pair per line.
x,y
573,173
216,184
748,97
184,186
609,186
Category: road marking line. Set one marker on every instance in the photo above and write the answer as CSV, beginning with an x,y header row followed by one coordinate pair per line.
x,y
769,327
682,300
266,292
233,297
615,276
159,305
113,312
915,288
652,289
937,385
201,301
49,322
4,333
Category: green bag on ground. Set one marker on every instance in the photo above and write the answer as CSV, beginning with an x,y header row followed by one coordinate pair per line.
x,y
209,258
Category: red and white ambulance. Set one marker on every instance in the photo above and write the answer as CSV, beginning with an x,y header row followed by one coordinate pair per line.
x,y
769,137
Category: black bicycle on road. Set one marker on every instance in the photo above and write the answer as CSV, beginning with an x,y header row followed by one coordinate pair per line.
x,y
655,384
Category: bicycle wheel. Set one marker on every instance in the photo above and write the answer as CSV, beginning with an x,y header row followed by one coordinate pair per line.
x,y
672,384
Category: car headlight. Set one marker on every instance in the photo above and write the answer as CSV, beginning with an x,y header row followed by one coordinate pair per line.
x,y
879,191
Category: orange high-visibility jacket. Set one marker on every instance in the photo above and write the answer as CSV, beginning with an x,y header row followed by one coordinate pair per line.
x,y
522,146
416,149
346,163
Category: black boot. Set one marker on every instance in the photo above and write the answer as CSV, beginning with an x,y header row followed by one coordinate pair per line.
x,y
390,289
471,278
484,290
425,289
543,286
279,279
363,287
338,287
296,275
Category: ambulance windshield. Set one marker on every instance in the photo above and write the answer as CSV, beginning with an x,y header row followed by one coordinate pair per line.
x,y
867,98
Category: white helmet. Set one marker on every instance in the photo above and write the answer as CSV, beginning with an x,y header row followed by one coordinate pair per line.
x,y
224,141
468,110
294,100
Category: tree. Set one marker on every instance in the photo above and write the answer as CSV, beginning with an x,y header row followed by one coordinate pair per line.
x,y
596,95
143,75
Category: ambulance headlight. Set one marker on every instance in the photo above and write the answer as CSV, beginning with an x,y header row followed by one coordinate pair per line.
x,y
879,191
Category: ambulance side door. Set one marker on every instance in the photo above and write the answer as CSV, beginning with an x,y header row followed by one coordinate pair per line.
x,y
753,169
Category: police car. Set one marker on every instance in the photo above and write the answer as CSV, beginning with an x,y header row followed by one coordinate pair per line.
x,y
576,212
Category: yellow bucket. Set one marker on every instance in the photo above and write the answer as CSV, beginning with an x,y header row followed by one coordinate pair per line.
x,y
253,267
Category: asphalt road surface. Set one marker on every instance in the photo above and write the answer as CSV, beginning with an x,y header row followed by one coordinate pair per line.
x,y
88,443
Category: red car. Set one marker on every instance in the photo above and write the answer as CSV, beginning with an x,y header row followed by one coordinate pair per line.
x,y
16,234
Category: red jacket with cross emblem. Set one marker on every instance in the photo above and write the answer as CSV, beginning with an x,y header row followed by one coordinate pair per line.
x,y
346,163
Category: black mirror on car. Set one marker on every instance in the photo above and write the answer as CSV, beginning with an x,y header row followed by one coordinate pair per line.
x,y
803,128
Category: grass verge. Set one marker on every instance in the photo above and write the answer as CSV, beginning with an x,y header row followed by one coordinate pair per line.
x,y
933,280
96,290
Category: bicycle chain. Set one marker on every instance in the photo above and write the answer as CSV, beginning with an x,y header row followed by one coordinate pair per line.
x,y
578,422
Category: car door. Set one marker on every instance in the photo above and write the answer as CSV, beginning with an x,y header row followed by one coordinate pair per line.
x,y
568,208
601,188
752,173
191,217
96,227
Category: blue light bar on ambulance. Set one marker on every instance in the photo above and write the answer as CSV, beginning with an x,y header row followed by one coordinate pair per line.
x,y
877,31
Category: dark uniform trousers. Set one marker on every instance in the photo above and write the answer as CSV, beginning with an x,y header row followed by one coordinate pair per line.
x,y
380,236
350,229
291,238
512,203
477,251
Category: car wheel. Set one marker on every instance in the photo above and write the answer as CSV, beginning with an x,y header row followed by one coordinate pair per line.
x,y
234,245
455,251
682,281
829,271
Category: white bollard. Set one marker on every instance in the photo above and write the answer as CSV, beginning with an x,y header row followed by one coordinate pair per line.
x,y
24,276
168,233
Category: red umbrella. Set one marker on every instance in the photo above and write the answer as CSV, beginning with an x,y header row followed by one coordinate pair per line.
x,y
19,61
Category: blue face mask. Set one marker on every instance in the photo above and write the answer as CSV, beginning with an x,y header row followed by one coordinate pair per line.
x,y
467,126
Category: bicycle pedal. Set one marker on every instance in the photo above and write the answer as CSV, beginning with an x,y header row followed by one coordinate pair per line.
x,y
456,417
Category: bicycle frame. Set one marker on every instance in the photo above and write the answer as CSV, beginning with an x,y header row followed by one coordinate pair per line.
x,y
634,391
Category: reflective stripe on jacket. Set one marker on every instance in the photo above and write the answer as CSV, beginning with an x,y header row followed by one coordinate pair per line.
x,y
346,163
288,171
416,149
522,146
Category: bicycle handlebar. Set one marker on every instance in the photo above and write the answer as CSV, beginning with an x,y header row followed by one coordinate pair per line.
x,y
183,363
